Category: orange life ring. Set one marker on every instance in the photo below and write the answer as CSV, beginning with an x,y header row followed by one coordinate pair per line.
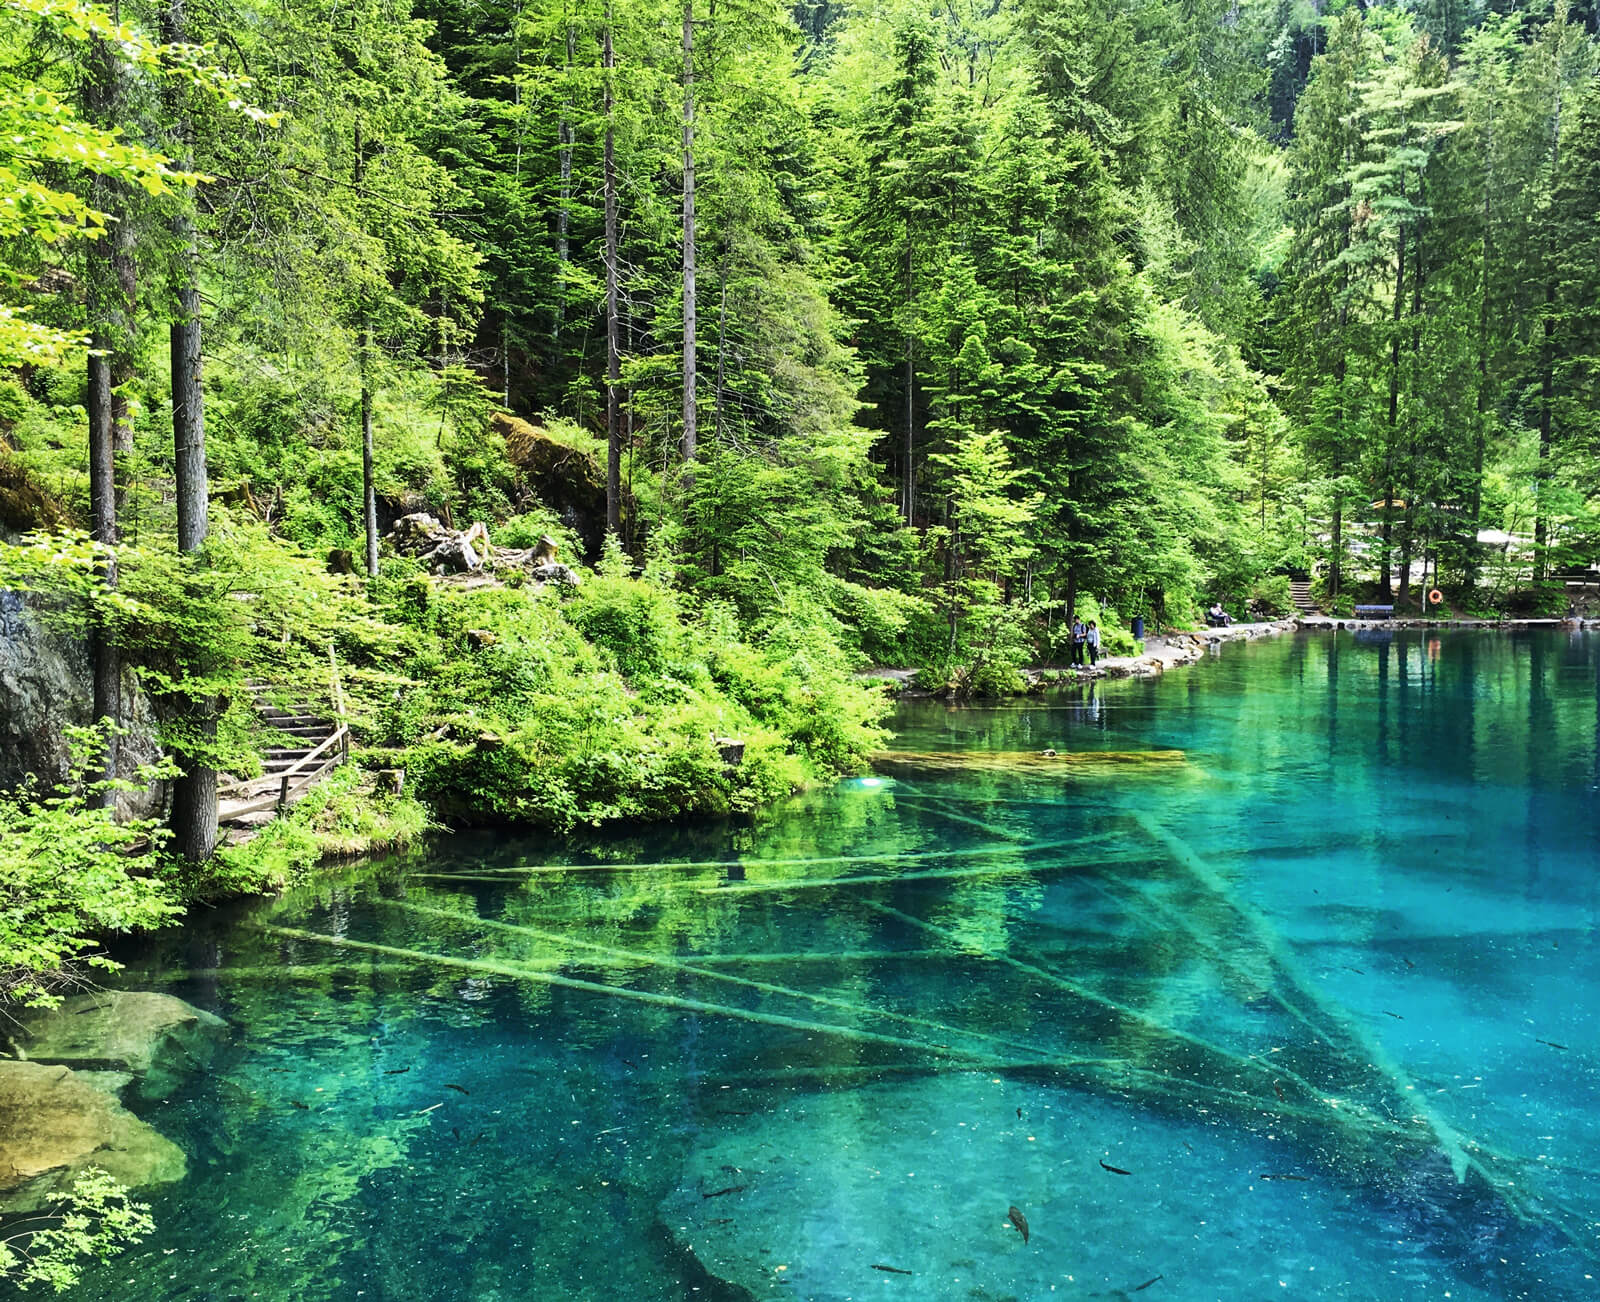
x,y
1435,597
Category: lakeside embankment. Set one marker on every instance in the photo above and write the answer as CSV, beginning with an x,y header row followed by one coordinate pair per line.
x,y
1169,650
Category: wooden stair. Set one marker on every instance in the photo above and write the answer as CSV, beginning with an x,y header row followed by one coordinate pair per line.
x,y
308,745
1300,596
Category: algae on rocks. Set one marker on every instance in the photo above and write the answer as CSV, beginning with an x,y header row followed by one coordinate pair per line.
x,y
55,1124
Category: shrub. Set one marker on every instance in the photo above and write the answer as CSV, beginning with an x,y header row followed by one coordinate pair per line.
x,y
66,877
636,621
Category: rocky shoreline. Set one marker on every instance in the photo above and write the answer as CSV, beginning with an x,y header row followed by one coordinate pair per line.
x,y
63,1085
1170,650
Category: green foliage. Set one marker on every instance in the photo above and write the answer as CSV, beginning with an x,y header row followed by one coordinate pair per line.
x,y
68,875
612,705
339,817
95,1220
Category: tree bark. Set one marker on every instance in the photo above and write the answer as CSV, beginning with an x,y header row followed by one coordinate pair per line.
x,y
908,470
109,300
107,662
369,490
564,134
1481,432
194,794
613,349
1394,412
687,447
1547,380
722,347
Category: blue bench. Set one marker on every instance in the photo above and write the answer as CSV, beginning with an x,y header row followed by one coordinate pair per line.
x,y
1381,612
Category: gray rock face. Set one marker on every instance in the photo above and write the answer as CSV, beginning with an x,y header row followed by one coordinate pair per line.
x,y
155,1038
53,1125
45,687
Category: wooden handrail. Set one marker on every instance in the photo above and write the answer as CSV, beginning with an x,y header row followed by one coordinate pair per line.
x,y
340,735
338,688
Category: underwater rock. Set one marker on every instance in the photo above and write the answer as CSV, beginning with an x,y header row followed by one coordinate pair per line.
x,y
925,1173
156,1038
54,1124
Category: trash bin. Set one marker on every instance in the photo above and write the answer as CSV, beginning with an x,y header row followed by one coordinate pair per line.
x,y
1138,628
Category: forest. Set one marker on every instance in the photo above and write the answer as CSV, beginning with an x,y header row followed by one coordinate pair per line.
x,y
765,343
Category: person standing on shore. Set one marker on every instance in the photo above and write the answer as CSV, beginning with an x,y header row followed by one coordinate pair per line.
x,y
1091,639
1079,637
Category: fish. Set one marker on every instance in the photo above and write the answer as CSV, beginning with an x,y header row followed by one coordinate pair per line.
x,y
397,1071
1115,1170
295,1103
477,1137
1015,1216
1280,1175
1277,1088
1141,1288
459,1089
1407,961
732,1188
890,1270
1019,1114
1552,1044
1396,1016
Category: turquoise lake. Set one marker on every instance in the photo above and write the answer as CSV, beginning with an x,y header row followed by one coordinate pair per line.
x,y
1280,980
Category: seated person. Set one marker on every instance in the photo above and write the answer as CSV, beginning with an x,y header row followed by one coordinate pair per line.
x,y
1217,617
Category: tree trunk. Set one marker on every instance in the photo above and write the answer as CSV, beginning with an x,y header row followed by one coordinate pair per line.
x,y
1394,412
1547,383
194,794
688,445
107,663
1481,432
613,351
369,490
109,300
908,470
722,346
564,213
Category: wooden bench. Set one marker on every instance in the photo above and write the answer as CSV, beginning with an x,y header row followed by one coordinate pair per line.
x,y
1381,612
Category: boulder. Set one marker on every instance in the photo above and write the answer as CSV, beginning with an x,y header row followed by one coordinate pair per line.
x,y
46,687
554,572
54,1124
570,482
156,1038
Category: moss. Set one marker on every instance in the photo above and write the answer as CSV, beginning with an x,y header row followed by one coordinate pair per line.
x,y
24,505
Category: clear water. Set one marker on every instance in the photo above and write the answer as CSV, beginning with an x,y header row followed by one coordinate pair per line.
x,y
1233,1024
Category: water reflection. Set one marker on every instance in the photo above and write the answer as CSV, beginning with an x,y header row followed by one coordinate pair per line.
x,y
1298,982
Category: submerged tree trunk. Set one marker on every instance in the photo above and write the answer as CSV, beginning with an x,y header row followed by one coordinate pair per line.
x,y
608,60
